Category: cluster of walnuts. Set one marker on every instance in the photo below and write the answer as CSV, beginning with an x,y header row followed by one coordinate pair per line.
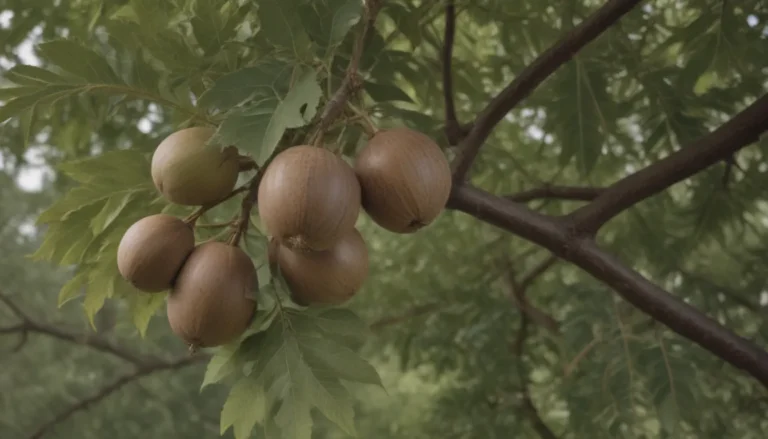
x,y
309,200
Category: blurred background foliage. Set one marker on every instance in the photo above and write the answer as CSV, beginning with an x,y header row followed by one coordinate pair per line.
x,y
444,320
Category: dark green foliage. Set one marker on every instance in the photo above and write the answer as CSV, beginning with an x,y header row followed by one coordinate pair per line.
x,y
115,77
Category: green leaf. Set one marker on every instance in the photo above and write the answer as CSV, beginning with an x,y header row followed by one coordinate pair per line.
x,y
245,407
669,414
143,306
302,369
294,416
33,76
386,92
79,61
580,115
223,363
101,286
112,208
72,288
282,27
44,95
214,22
341,323
27,121
259,127
328,21
121,169
339,359
252,83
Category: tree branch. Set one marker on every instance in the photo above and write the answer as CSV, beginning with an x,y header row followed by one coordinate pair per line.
x,y
28,325
741,131
112,387
533,75
554,235
351,83
575,193
453,129
414,312
91,341
519,290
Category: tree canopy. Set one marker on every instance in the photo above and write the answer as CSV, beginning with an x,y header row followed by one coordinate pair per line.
x,y
599,269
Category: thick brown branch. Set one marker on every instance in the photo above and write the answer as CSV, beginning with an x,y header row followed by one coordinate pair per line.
x,y
554,235
454,131
574,193
532,76
114,386
744,129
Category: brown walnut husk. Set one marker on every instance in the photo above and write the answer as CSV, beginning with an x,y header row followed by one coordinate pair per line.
x,y
308,198
152,251
212,301
188,171
405,179
328,277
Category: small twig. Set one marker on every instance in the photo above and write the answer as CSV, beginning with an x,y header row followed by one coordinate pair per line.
x,y
570,367
194,216
529,408
352,82
247,163
367,124
215,225
517,289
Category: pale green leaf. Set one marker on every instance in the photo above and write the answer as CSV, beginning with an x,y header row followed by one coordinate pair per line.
x,y
339,359
120,169
143,306
72,288
112,208
341,322
294,417
245,407
73,200
44,95
222,364
34,76
79,61
101,286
